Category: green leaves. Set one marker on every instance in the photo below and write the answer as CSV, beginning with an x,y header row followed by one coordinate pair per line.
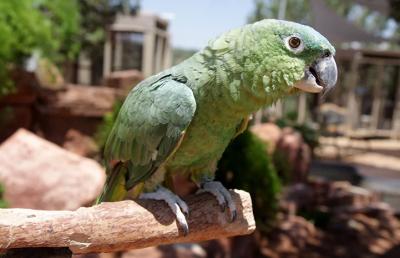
x,y
3,204
246,165
48,26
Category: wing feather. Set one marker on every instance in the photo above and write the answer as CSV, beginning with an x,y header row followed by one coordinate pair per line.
x,y
149,126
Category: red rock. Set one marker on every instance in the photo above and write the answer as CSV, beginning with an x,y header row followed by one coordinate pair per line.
x,y
124,80
152,252
79,100
269,133
295,154
40,175
80,144
168,251
77,107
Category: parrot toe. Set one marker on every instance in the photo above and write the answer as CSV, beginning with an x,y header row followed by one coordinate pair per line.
x,y
176,204
222,195
233,216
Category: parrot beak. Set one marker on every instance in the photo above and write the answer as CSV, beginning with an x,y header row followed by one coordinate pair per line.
x,y
321,75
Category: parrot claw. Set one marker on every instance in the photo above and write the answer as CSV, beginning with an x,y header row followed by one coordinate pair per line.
x,y
233,216
178,207
222,195
223,207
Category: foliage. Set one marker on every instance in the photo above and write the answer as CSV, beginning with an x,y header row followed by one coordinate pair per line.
x,y
3,204
105,127
300,11
395,9
6,114
366,18
246,165
47,26
283,167
296,10
65,21
99,14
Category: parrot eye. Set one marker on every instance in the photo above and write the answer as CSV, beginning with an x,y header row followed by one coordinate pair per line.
x,y
294,44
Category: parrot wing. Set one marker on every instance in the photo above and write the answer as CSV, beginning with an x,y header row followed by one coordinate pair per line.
x,y
150,126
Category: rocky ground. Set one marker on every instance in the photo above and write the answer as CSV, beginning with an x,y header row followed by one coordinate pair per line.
x,y
342,221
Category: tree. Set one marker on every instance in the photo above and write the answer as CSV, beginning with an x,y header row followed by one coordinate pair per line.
x,y
99,14
395,9
49,27
300,11
297,10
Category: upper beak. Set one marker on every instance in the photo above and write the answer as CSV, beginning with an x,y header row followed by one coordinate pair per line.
x,y
321,75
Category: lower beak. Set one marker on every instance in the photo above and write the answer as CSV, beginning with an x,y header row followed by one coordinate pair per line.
x,y
321,75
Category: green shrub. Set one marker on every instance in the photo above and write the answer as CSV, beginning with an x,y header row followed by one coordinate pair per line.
x,y
105,127
49,27
246,165
3,204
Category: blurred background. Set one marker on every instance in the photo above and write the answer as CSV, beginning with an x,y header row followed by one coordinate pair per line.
x,y
323,171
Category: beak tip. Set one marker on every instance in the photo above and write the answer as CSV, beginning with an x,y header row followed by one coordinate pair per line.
x,y
327,70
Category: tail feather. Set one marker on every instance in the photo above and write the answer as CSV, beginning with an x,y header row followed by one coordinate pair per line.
x,y
114,188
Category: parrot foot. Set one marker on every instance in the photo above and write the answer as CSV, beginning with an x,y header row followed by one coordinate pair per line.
x,y
178,207
223,196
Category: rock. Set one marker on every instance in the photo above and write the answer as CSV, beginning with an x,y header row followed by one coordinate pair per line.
x,y
81,108
48,75
168,251
38,174
244,246
392,253
80,144
16,107
152,252
124,80
79,100
295,153
219,247
351,221
269,133
292,156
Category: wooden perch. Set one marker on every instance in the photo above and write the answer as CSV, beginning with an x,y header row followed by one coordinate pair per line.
x,y
117,226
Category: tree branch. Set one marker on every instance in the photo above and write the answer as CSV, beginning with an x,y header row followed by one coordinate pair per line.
x,y
117,226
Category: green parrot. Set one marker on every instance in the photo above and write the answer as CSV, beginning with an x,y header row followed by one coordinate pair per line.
x,y
181,120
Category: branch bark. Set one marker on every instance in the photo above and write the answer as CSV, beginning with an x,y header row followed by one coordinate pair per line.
x,y
118,226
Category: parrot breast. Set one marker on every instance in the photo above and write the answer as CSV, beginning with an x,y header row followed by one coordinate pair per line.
x,y
204,143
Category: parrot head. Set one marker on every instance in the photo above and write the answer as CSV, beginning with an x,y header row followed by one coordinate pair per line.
x,y
289,57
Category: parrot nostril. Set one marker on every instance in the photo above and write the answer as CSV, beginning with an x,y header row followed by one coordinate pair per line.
x,y
326,54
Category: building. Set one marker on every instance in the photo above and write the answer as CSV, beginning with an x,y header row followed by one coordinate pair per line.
x,y
138,42
369,78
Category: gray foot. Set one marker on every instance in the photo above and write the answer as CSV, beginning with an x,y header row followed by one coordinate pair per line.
x,y
178,207
223,196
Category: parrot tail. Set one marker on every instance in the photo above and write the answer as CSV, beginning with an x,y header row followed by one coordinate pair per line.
x,y
114,188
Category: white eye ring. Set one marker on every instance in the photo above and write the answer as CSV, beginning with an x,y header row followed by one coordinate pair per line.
x,y
297,40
